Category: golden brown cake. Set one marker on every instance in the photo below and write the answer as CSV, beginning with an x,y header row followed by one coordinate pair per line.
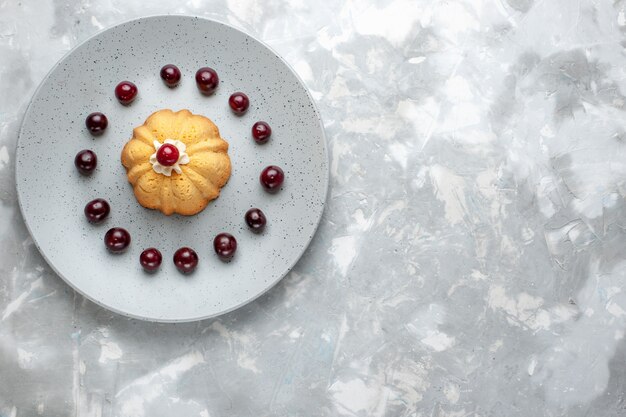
x,y
176,162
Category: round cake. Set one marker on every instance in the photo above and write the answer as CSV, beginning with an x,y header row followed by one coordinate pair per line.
x,y
176,162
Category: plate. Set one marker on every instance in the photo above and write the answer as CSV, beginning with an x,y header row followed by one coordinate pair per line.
x,y
52,194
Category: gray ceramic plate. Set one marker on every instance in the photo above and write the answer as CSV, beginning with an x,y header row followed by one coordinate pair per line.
x,y
52,194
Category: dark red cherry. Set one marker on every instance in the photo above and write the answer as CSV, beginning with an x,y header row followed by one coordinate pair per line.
x,y
239,103
126,92
170,75
272,178
117,239
255,219
261,132
150,259
207,80
96,123
97,210
86,161
225,246
167,154
186,260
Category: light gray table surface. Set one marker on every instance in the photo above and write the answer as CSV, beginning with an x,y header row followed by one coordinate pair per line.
x,y
472,257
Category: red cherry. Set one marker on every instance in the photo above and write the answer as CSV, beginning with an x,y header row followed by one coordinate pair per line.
x,y
117,239
126,92
261,132
167,154
255,219
225,246
272,178
207,80
171,75
96,123
97,210
239,103
86,161
186,260
150,259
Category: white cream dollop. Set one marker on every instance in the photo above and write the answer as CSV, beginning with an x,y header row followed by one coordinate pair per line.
x,y
183,158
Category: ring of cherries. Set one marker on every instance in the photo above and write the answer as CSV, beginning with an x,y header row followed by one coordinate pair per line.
x,y
185,259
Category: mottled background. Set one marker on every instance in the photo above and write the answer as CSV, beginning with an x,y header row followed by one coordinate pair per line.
x,y
472,257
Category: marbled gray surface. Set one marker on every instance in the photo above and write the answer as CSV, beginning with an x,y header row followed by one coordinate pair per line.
x,y
472,258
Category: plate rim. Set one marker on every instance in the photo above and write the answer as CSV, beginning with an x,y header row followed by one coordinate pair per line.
x,y
18,175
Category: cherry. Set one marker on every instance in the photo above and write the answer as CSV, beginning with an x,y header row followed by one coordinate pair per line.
x,y
171,75
97,210
207,80
225,246
167,154
256,220
117,239
85,161
186,260
150,259
272,178
239,103
261,132
126,92
96,122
